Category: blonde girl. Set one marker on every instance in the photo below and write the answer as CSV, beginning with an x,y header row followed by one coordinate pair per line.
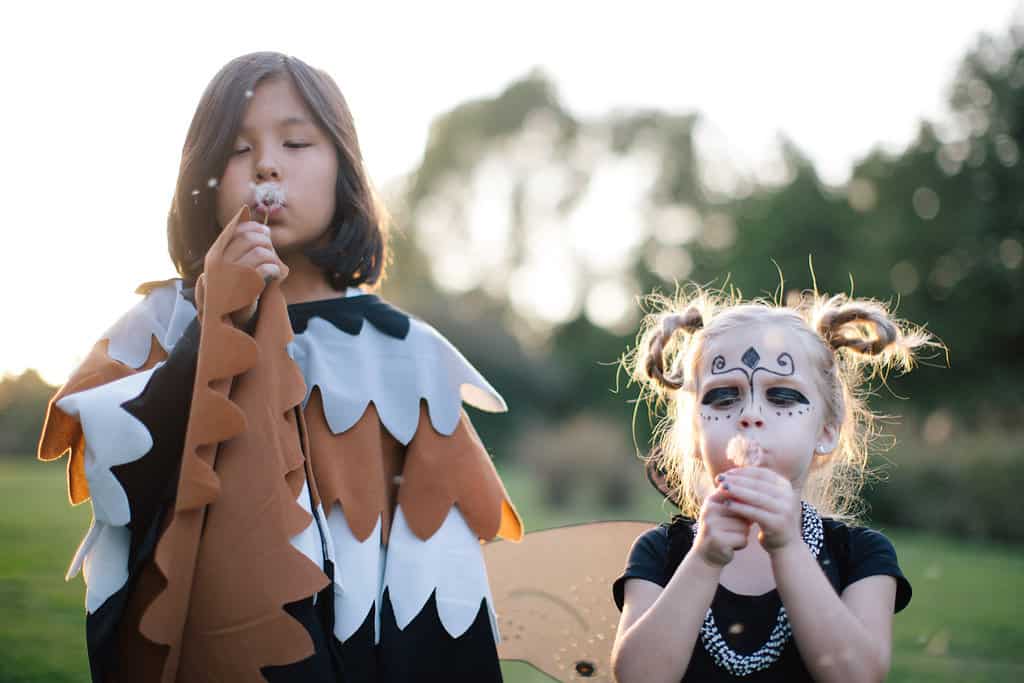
x,y
763,577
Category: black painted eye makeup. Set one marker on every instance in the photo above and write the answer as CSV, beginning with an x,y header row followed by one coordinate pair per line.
x,y
785,395
720,396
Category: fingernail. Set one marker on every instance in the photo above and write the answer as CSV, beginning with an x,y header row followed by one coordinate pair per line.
x,y
720,477
725,486
727,502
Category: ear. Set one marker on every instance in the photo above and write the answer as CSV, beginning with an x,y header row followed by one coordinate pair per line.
x,y
828,439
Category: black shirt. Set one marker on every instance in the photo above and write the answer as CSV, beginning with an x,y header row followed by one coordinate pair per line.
x,y
745,621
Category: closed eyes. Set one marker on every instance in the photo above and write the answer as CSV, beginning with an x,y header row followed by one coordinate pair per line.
x,y
289,145
784,396
721,397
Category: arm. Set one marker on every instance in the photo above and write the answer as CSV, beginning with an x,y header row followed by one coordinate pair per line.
x,y
846,638
658,629
840,639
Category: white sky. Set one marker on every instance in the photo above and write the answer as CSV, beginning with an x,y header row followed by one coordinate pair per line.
x,y
98,96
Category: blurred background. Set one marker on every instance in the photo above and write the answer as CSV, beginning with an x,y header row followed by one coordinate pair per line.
x,y
544,170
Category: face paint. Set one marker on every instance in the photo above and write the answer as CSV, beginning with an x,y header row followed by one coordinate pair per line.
x,y
720,397
751,358
778,421
785,396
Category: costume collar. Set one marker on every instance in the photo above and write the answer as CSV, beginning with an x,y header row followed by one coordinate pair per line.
x,y
347,313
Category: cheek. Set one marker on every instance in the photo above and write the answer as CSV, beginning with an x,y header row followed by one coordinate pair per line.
x,y
798,412
715,428
232,192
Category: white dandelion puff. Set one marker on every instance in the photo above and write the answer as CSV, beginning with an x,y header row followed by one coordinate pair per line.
x,y
743,452
267,197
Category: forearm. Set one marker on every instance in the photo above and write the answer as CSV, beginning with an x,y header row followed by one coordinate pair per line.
x,y
834,644
659,644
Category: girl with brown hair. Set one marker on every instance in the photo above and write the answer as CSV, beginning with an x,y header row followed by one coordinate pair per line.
x,y
284,484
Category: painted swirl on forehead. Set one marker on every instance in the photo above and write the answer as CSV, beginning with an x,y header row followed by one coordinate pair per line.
x,y
751,358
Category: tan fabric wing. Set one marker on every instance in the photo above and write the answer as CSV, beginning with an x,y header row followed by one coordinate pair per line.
x,y
367,471
225,555
553,597
349,467
441,471
62,433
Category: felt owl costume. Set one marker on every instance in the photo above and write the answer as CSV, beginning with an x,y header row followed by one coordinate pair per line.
x,y
303,500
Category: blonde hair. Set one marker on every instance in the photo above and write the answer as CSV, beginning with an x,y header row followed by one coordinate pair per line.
x,y
849,340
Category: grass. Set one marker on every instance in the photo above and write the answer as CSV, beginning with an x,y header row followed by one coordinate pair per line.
x,y
964,623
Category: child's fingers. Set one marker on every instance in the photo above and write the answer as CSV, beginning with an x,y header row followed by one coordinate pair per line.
x,y
764,518
264,260
766,499
755,474
247,236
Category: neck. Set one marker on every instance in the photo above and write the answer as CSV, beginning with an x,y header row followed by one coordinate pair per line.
x,y
305,281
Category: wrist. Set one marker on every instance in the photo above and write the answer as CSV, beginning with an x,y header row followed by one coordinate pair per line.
x,y
701,567
785,553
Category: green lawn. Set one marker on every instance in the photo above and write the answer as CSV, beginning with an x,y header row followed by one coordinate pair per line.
x,y
963,625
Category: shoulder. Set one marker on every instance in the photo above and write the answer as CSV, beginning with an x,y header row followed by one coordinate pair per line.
x,y
359,349
867,552
652,544
164,313
646,561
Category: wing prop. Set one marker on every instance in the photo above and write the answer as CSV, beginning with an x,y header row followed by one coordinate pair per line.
x,y
552,595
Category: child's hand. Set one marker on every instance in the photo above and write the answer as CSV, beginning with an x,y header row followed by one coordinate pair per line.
x,y
721,531
767,498
251,246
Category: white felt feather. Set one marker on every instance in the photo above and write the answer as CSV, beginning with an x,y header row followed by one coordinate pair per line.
x,y
450,562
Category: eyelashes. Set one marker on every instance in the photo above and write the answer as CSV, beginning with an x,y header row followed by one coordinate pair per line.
x,y
724,397
288,145
785,396
721,396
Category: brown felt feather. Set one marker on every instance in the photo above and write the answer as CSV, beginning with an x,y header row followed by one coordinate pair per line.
x,y
226,554
62,433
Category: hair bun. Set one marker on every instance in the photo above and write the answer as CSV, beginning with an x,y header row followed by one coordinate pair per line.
x,y
689,321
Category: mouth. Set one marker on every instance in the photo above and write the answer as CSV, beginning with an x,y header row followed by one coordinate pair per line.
x,y
268,213
743,452
268,199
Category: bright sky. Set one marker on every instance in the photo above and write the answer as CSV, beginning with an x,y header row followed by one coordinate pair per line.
x,y
98,97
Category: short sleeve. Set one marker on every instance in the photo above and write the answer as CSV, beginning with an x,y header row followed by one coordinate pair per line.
x,y
646,561
872,554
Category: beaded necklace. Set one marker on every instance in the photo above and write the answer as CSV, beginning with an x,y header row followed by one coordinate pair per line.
x,y
725,657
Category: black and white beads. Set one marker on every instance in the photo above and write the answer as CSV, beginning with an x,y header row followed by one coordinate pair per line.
x,y
725,657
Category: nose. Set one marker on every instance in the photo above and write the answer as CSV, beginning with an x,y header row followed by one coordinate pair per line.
x,y
266,170
751,422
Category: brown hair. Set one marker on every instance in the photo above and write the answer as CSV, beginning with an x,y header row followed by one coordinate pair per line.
x,y
357,250
845,337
